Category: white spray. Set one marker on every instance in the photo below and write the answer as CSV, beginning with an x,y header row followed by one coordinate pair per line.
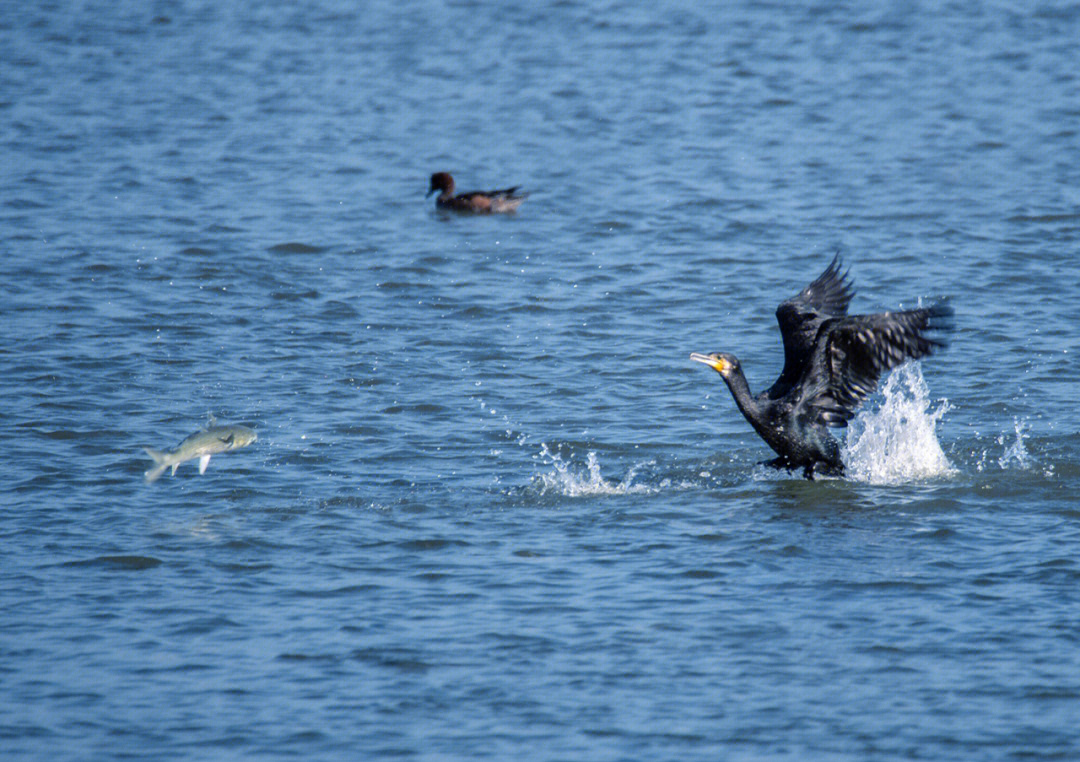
x,y
897,442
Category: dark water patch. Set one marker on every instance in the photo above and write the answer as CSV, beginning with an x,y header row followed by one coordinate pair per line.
x,y
22,203
295,247
59,148
792,551
400,659
432,544
422,408
898,585
294,296
76,697
520,642
529,308
1042,218
1056,575
392,285
135,563
17,732
702,574
992,579
196,251
64,434
474,311
60,435
1052,693
204,626
304,738
432,576
41,481
180,669
338,310
309,657
346,591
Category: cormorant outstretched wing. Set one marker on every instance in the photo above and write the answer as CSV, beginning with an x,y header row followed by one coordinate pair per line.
x,y
853,352
801,316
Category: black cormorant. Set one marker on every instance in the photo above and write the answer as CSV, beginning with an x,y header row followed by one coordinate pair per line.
x,y
832,362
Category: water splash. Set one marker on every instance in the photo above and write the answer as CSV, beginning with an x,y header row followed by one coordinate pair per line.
x,y
897,442
570,481
1016,454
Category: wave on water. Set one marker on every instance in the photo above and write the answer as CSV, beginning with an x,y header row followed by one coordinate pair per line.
x,y
897,442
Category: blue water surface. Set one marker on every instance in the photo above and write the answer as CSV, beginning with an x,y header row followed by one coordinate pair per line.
x,y
494,511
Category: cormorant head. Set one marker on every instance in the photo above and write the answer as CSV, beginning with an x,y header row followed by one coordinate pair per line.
x,y
441,181
721,362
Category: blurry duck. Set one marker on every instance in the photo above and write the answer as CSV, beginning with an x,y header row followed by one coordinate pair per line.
x,y
478,202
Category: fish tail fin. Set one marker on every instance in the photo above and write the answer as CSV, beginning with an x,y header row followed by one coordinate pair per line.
x,y
160,464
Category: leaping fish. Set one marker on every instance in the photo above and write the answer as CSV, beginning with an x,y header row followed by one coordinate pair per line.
x,y
202,444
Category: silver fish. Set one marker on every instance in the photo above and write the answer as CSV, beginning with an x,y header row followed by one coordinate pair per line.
x,y
201,445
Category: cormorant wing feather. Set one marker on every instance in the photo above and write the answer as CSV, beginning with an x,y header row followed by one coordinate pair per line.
x,y
829,294
853,352
801,316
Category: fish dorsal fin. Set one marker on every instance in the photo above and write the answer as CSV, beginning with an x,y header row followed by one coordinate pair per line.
x,y
211,421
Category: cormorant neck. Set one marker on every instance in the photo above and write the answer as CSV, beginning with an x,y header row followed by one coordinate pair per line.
x,y
740,390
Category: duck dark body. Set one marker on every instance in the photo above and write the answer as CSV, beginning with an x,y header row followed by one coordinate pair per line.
x,y
832,363
476,202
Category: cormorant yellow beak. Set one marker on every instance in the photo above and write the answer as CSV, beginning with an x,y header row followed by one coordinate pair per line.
x,y
716,363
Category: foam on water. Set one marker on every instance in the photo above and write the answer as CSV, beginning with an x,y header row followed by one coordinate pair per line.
x,y
897,441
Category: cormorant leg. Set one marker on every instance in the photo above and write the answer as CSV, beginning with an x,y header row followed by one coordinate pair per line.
x,y
776,463
808,472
